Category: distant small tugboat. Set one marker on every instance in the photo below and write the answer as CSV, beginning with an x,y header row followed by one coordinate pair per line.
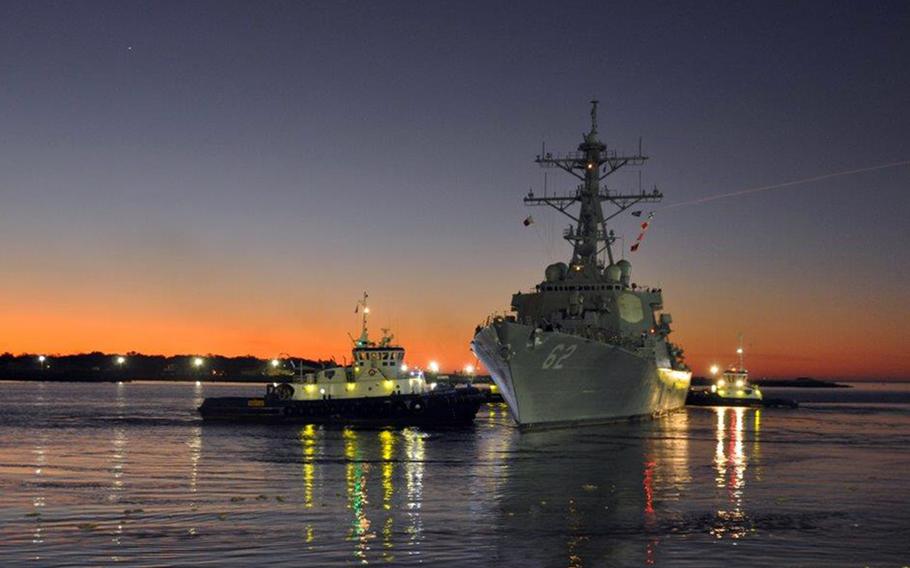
x,y
376,389
733,389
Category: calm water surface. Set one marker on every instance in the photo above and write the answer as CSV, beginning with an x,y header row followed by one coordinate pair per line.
x,y
103,474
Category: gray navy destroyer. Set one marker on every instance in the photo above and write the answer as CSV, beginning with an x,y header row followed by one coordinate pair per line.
x,y
587,345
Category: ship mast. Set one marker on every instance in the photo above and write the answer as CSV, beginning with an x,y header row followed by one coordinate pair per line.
x,y
591,164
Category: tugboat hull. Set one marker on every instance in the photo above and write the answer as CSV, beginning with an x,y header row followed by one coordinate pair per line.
x,y
453,408
708,398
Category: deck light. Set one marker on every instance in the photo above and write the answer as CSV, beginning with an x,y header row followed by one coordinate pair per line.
x,y
434,367
714,369
469,369
404,368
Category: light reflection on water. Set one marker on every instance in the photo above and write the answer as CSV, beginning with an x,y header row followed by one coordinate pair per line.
x,y
730,464
101,474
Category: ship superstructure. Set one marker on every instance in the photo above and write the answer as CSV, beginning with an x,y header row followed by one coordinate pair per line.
x,y
587,344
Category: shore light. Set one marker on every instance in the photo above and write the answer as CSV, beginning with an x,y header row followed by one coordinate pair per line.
x,y
197,361
434,367
275,362
739,350
469,369
714,369
42,358
120,360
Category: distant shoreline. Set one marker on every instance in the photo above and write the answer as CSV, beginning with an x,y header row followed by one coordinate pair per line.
x,y
100,367
802,382
799,382
203,379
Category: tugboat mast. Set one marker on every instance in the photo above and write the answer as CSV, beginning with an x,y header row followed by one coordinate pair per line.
x,y
591,164
739,351
364,339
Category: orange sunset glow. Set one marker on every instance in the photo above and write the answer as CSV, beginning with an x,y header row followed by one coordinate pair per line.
x,y
232,313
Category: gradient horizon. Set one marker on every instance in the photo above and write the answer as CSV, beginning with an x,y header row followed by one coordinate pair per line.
x,y
221,177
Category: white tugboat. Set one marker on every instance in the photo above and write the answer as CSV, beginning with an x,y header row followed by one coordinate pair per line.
x,y
733,384
733,388
376,388
587,344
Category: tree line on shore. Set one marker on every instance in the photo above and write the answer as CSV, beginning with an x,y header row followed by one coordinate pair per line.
x,y
98,366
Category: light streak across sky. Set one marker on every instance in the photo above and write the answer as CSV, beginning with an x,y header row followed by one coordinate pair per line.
x,y
787,184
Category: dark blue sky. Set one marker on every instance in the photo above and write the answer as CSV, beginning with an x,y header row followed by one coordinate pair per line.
x,y
241,163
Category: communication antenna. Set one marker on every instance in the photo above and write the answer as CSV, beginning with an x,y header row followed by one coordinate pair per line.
x,y
591,164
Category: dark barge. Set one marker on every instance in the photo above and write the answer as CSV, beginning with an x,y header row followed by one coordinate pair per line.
x,y
449,408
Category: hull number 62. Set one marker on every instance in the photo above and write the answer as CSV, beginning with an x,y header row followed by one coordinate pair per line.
x,y
558,356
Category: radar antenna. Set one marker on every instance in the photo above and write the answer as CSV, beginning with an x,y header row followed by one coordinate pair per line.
x,y
591,164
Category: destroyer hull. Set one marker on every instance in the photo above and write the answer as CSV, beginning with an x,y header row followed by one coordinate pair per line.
x,y
551,379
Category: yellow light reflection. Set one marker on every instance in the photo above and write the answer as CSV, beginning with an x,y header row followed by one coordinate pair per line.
x,y
387,449
308,441
387,446
414,469
355,476
730,464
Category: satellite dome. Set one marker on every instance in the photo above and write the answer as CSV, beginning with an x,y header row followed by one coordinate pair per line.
x,y
613,273
556,272
625,268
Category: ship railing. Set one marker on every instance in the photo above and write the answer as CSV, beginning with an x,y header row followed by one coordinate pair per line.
x,y
493,317
572,233
549,157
